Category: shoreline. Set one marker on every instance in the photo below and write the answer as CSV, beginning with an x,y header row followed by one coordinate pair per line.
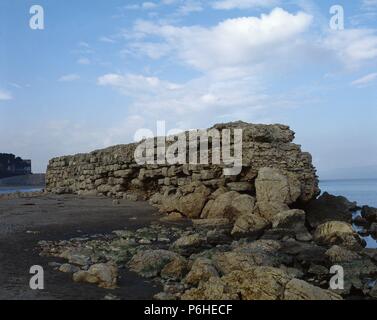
x,y
27,220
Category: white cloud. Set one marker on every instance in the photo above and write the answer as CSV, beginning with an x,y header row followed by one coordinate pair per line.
x,y
353,46
107,39
365,80
190,6
134,85
243,4
233,42
69,77
148,5
5,95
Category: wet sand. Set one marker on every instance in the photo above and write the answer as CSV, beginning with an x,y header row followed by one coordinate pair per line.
x,y
25,221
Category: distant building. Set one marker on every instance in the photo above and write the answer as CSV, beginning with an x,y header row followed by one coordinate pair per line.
x,y
10,166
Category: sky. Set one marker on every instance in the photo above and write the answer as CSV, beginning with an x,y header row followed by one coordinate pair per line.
x,y
100,70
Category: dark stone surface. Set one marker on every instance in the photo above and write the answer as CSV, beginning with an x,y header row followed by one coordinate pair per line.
x,y
329,208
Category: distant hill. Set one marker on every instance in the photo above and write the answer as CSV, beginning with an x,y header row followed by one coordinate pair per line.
x,y
30,180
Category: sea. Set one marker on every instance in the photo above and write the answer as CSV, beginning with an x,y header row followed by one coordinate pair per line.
x,y
5,190
363,191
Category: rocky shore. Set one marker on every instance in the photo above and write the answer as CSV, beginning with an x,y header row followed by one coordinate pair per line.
x,y
289,258
261,235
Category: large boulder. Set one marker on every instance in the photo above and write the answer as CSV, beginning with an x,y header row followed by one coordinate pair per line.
x,y
175,270
258,283
201,270
275,191
337,232
189,244
189,200
329,208
251,225
193,200
256,253
300,290
238,209
229,205
289,223
103,274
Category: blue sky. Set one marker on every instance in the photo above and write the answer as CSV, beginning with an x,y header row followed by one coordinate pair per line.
x,y
100,70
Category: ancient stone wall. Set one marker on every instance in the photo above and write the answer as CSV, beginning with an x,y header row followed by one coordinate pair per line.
x,y
113,172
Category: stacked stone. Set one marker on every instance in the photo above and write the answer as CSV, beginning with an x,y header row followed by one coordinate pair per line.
x,y
113,172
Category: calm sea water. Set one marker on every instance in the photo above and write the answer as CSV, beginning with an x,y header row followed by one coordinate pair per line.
x,y
364,192
4,190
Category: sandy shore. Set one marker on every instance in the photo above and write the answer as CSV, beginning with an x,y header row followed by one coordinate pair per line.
x,y
25,221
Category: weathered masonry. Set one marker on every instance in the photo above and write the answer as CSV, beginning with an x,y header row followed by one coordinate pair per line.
x,y
113,172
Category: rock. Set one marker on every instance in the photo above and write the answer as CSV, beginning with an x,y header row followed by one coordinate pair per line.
x,y
211,223
163,296
300,290
338,254
258,283
218,208
213,289
80,258
273,187
269,209
238,209
304,252
149,263
103,274
369,213
68,268
291,223
173,217
189,244
240,186
256,253
192,204
357,269
360,221
337,232
318,270
251,225
175,270
201,270
373,228
329,208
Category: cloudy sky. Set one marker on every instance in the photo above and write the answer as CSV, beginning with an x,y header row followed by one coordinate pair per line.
x,y
100,70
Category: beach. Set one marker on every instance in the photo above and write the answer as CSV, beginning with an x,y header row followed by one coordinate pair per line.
x,y
26,221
